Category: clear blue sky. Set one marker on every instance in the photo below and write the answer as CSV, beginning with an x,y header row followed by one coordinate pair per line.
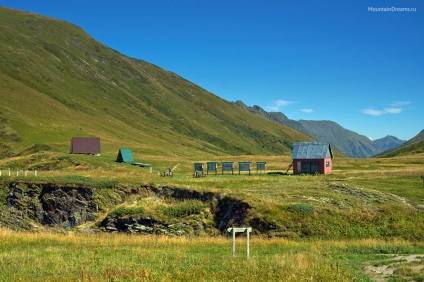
x,y
347,61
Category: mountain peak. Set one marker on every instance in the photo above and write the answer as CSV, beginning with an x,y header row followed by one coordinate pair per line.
x,y
389,142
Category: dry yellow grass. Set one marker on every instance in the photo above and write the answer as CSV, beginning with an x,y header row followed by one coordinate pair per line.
x,y
119,257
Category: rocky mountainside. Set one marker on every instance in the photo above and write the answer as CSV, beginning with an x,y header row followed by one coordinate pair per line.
x,y
57,82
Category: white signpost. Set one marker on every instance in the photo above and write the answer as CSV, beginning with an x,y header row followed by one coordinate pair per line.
x,y
235,230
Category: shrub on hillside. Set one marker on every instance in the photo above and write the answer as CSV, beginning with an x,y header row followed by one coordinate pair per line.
x,y
302,209
183,209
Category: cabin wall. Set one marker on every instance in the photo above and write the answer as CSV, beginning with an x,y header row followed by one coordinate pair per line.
x,y
322,166
327,165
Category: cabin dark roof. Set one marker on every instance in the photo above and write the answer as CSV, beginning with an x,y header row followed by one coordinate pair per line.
x,y
312,150
85,145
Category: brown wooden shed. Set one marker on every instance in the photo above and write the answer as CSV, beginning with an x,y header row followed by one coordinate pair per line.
x,y
85,145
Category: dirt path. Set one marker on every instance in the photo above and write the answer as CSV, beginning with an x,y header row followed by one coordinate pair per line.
x,y
382,270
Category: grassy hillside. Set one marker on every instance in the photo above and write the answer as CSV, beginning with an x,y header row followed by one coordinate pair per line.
x,y
57,82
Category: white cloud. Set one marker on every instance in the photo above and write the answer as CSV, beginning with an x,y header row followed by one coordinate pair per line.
x,y
282,103
373,112
399,103
278,104
308,111
376,113
393,110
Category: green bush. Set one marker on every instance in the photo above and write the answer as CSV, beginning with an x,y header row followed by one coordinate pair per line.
x,y
183,209
302,209
64,158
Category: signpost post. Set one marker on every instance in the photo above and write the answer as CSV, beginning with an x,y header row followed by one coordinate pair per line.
x,y
235,230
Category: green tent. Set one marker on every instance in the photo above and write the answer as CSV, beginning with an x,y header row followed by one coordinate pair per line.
x,y
125,156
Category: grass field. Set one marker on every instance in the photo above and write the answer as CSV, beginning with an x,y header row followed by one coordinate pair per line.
x,y
359,194
105,257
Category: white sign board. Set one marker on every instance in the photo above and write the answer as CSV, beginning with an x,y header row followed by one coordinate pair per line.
x,y
235,230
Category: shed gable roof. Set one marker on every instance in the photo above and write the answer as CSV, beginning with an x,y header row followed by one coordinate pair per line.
x,y
312,150
125,155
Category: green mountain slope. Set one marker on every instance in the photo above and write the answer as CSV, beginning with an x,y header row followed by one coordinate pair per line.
x,y
57,82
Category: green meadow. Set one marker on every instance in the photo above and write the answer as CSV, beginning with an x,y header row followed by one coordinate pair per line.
x,y
366,213
120,257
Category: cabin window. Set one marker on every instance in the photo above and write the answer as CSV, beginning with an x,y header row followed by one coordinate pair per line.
x,y
327,163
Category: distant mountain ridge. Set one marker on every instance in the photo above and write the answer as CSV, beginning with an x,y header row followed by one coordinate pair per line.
x,y
411,147
346,141
275,116
343,140
389,142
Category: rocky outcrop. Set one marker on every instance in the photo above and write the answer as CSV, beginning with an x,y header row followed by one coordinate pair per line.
x,y
231,212
147,225
67,206
52,205
185,194
225,212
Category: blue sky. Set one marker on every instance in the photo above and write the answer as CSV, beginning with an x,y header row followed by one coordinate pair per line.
x,y
354,62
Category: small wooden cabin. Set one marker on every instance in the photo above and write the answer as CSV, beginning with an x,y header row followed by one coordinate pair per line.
x,y
85,145
312,157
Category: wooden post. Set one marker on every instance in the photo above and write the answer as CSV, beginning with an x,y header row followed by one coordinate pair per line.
x,y
248,245
234,242
35,172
